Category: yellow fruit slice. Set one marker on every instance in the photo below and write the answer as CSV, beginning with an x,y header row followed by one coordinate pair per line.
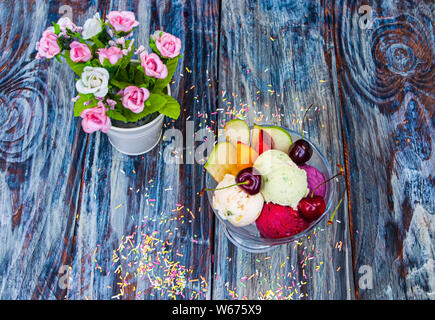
x,y
222,161
246,156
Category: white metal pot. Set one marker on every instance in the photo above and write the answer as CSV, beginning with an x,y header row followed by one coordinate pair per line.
x,y
139,140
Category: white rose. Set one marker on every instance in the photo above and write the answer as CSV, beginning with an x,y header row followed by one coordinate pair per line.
x,y
93,80
92,27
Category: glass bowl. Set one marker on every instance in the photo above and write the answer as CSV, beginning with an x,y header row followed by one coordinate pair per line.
x,y
248,238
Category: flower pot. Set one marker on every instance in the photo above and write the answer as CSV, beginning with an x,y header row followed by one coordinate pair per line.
x,y
137,140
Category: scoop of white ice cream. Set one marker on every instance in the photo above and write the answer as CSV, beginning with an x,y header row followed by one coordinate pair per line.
x,y
235,205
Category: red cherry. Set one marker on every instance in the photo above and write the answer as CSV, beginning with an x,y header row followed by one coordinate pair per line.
x,y
253,178
312,208
300,151
248,179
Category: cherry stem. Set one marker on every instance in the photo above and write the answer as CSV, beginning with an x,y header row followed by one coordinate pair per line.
x,y
303,120
232,185
336,208
335,176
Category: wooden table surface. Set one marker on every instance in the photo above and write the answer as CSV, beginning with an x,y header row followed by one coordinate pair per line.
x,y
79,220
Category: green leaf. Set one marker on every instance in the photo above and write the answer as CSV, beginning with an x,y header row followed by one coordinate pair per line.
x,y
56,28
140,80
104,36
116,115
131,71
134,117
107,65
171,108
154,48
95,63
123,75
79,106
148,81
162,83
140,68
97,42
76,35
123,63
156,101
77,67
120,84
64,43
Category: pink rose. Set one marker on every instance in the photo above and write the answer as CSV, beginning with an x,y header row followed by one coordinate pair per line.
x,y
113,54
168,45
153,66
95,119
111,103
122,21
134,98
80,52
47,47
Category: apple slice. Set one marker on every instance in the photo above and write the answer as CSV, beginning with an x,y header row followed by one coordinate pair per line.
x,y
237,130
246,156
280,137
222,161
261,140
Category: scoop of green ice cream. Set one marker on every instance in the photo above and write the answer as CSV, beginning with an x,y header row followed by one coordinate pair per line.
x,y
270,159
285,185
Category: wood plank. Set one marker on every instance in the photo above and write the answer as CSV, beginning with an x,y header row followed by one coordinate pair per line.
x,y
138,196
386,76
276,59
41,154
69,199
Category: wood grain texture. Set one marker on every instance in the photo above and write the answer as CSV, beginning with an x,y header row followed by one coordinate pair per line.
x,y
386,77
135,228
273,66
41,155
145,197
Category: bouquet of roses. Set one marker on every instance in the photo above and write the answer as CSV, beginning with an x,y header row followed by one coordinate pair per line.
x,y
110,84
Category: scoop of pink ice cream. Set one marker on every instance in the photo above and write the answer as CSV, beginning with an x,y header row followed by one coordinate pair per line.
x,y
314,178
276,221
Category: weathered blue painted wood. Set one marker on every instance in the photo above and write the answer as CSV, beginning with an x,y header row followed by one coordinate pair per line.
x,y
386,77
276,58
41,154
135,228
144,197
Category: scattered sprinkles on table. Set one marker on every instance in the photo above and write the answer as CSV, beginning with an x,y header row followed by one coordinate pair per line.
x,y
147,261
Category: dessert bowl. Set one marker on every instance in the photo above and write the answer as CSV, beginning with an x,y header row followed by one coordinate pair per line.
x,y
248,237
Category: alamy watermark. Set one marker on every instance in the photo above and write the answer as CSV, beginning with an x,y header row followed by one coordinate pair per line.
x,y
66,11
198,145
365,281
65,277
366,20
195,147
